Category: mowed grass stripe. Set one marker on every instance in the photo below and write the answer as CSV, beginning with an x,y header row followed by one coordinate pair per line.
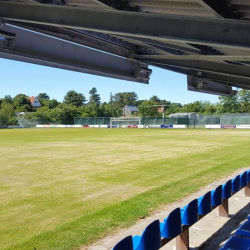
x,y
63,188
98,224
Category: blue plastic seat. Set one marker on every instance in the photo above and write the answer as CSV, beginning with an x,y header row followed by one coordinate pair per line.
x,y
216,196
150,238
125,244
227,190
248,176
243,179
236,184
243,230
171,227
189,213
204,204
236,243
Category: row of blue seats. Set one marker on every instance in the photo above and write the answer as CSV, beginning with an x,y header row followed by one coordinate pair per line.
x,y
241,238
172,226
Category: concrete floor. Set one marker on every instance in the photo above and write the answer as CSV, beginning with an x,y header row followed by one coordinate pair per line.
x,y
209,233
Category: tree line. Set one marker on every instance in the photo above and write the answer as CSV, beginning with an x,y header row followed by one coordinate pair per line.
x,y
77,105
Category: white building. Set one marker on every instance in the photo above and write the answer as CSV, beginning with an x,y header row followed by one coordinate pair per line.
x,y
34,102
128,110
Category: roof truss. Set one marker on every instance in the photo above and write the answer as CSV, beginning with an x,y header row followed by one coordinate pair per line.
x,y
121,44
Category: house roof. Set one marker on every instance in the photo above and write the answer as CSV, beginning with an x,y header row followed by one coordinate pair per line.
x,y
32,99
132,108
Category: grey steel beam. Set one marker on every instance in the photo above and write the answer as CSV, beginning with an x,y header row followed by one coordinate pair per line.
x,y
144,48
237,81
218,76
228,69
78,38
44,50
109,39
7,40
90,39
178,47
162,48
209,58
204,31
133,45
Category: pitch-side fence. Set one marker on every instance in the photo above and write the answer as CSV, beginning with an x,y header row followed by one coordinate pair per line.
x,y
199,120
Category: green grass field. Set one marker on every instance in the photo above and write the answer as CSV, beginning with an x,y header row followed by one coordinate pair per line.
x,y
65,188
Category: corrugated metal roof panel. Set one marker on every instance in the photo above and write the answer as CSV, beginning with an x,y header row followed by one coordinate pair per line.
x,y
190,8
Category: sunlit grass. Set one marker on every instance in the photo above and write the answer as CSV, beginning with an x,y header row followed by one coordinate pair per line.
x,y
63,188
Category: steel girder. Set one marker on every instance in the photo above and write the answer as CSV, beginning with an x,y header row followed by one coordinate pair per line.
x,y
79,38
226,69
45,50
232,80
165,28
193,46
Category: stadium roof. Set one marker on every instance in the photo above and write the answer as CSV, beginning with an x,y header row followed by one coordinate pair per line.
x,y
208,40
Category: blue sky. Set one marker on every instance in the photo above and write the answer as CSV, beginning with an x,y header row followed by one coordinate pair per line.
x,y
29,79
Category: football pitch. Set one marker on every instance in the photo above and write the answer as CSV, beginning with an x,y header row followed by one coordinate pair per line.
x,y
65,188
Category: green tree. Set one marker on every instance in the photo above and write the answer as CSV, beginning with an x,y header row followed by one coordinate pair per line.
x,y
120,99
173,108
229,104
22,103
43,96
74,98
244,100
7,99
20,100
94,103
53,103
145,110
106,110
7,114
155,99
193,107
208,108
94,98
43,99
65,113
43,115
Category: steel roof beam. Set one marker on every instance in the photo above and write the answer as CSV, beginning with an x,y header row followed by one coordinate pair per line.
x,y
78,38
204,31
210,58
237,81
44,50
226,69
186,48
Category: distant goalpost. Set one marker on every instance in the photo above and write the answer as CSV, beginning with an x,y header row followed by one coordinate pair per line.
x,y
125,122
